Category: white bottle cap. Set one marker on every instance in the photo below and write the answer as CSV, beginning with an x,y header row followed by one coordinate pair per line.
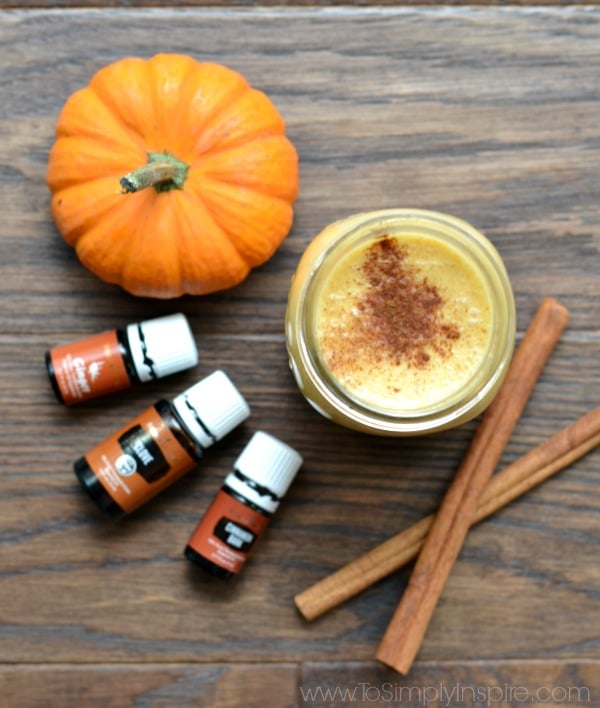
x,y
162,346
211,408
270,466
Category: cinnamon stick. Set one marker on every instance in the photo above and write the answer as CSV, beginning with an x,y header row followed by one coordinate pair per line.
x,y
548,458
405,632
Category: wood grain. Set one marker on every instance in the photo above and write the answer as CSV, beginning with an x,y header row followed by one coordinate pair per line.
x,y
489,114
20,4
223,685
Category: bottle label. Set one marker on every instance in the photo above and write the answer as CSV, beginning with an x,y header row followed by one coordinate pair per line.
x,y
89,368
139,461
227,532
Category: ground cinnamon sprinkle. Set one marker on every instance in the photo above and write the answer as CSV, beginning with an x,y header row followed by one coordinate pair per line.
x,y
398,316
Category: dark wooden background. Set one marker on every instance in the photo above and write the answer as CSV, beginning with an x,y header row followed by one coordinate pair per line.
x,y
491,114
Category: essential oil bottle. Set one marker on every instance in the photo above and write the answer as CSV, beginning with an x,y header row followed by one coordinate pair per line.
x,y
160,445
117,359
242,508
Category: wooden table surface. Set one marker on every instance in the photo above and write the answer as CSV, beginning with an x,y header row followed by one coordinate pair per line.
x,y
491,114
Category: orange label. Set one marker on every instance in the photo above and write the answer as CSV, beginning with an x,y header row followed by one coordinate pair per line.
x,y
139,460
227,532
89,368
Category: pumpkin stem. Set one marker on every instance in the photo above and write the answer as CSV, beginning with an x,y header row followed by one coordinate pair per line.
x,y
163,171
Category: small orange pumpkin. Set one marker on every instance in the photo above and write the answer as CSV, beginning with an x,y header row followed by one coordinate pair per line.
x,y
171,176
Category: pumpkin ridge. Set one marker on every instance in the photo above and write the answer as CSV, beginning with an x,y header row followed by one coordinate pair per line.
x,y
255,188
146,230
105,91
184,217
101,208
204,172
107,138
236,91
233,240
153,67
80,158
255,238
114,251
131,133
211,121
245,139
208,116
209,209
95,129
221,141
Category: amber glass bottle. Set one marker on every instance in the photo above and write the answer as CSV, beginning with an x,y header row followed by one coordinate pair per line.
x,y
117,359
160,445
242,508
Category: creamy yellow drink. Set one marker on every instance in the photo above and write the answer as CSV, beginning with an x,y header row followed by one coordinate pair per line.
x,y
402,322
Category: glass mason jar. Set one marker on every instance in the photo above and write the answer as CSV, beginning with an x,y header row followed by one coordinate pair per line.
x,y
400,322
